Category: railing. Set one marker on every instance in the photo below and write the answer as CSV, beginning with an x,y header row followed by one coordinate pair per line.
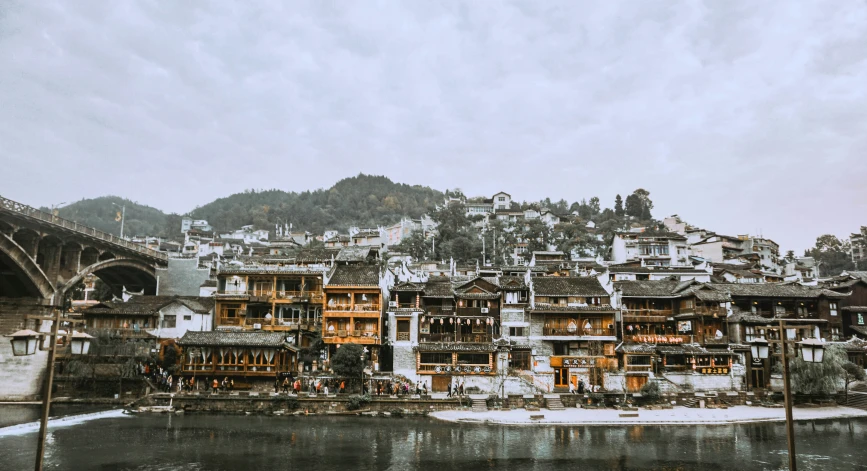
x,y
439,310
450,368
579,332
638,367
403,336
648,312
710,340
451,337
477,311
351,308
23,209
351,333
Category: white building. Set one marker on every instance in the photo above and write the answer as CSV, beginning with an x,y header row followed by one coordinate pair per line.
x,y
652,249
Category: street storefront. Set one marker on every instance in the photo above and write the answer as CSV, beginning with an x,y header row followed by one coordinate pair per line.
x,y
444,362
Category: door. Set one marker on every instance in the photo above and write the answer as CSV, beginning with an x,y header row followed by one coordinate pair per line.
x,y
758,378
440,383
634,383
561,377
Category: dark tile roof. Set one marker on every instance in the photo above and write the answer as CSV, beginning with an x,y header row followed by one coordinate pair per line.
x,y
343,275
640,348
353,254
661,271
408,286
854,308
648,288
234,339
775,290
438,288
512,282
568,286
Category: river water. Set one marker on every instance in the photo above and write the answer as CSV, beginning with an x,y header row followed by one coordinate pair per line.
x,y
110,440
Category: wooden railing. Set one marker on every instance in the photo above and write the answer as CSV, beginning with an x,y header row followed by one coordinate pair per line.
x,y
439,310
403,336
563,331
451,337
28,211
351,308
478,311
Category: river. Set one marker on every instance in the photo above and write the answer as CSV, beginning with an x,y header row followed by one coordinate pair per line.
x,y
110,440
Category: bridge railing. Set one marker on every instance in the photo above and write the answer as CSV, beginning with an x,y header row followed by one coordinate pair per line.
x,y
29,211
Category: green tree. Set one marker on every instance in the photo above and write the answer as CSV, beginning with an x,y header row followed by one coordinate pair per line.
x,y
463,247
414,245
638,204
537,234
832,255
594,206
346,362
820,379
618,206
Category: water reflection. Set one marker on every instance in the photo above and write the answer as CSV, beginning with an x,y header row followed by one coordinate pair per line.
x,y
341,443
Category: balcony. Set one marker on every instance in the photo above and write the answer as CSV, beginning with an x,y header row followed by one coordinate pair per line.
x,y
353,308
710,340
351,336
580,332
451,337
478,311
439,310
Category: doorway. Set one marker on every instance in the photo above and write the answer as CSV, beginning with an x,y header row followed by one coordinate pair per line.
x,y
757,376
440,383
561,377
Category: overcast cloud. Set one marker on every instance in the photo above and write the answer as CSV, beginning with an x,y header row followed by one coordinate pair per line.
x,y
740,116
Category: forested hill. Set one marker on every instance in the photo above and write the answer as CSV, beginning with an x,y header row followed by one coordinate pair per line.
x,y
364,200
101,213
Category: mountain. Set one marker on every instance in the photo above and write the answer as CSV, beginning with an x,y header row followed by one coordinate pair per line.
x,y
101,213
364,200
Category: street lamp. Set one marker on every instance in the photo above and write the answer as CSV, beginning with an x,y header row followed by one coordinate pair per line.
x,y
363,356
122,217
812,351
24,342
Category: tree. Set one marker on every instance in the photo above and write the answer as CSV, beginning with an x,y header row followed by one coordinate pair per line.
x,y
594,206
618,206
414,245
346,362
537,234
832,255
819,378
638,204
463,247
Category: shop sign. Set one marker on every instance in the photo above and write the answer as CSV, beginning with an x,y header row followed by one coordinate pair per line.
x,y
461,369
713,370
667,339
575,362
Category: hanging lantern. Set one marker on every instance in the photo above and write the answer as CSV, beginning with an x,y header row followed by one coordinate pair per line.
x,y
431,320
478,321
441,320
451,321
469,321
422,319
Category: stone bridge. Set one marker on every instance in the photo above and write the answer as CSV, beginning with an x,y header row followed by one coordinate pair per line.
x,y
42,257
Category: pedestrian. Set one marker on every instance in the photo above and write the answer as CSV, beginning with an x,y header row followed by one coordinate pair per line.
x,y
449,390
169,384
318,387
461,389
215,385
232,384
417,389
580,386
342,387
424,388
297,386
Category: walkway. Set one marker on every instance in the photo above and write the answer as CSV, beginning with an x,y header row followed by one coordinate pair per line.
x,y
676,416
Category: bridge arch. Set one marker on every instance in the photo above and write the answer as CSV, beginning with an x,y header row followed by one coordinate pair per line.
x,y
20,276
118,273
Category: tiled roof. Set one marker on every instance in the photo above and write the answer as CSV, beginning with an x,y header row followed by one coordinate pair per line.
x,y
634,348
343,275
353,254
648,288
408,286
854,308
568,286
150,305
234,339
860,329
659,271
512,282
438,289
775,290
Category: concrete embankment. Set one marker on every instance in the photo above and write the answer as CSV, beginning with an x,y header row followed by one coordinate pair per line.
x,y
675,416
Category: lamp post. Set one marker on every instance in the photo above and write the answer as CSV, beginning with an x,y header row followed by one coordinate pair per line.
x,y
363,356
812,350
24,343
122,217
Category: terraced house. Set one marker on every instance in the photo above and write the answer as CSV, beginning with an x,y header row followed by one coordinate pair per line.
x,y
277,298
353,309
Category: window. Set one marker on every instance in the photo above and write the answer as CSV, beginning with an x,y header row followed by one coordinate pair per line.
x,y
516,331
501,198
431,358
833,307
403,330
860,319
750,333
169,321
520,359
474,358
188,317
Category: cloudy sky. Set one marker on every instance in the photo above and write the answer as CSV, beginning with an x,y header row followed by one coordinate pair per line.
x,y
740,116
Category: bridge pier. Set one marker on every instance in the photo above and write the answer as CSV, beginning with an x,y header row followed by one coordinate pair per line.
x,y
21,378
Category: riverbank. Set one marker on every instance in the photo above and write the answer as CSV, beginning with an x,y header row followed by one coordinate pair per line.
x,y
675,416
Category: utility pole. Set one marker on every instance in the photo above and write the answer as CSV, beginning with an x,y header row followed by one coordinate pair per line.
x,y
122,217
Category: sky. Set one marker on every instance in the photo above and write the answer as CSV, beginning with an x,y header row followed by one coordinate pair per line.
x,y
739,116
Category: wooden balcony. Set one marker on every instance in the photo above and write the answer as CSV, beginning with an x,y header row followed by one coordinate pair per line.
x,y
439,310
580,332
356,308
711,340
478,311
455,338
350,336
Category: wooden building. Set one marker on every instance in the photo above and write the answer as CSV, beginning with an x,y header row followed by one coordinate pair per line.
x,y
248,357
353,309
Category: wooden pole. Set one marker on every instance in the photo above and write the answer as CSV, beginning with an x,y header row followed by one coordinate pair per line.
x,y
790,429
46,396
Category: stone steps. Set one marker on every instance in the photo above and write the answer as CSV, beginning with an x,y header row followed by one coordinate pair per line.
x,y
554,403
480,405
857,400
